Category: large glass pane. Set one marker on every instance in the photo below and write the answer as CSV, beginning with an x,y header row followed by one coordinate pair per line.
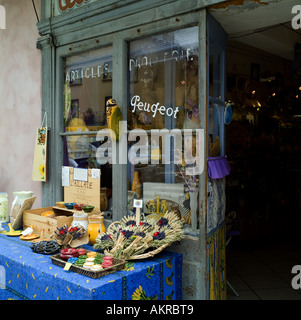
x,y
216,102
162,117
88,85
215,70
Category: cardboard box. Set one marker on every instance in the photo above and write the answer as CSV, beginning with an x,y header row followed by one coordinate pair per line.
x,y
33,218
81,191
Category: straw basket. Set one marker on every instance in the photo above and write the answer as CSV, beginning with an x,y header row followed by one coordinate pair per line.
x,y
117,265
130,239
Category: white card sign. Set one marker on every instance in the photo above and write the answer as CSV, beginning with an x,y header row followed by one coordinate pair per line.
x,y
138,203
95,173
83,188
80,174
65,177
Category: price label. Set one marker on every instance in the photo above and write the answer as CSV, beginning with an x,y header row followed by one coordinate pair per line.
x,y
67,266
138,203
27,232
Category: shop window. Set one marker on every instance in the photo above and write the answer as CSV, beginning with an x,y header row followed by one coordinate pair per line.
x,y
215,70
163,121
216,100
87,87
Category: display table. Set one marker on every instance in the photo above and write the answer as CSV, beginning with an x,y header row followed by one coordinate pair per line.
x,y
31,276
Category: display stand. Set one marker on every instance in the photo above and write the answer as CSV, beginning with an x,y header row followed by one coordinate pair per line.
x,y
31,276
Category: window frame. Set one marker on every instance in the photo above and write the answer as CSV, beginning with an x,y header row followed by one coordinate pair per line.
x,y
54,61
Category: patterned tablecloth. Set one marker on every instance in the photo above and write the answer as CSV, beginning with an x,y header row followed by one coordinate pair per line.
x,y
28,275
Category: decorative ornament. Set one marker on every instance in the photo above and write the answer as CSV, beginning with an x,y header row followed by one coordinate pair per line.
x,y
114,116
45,247
126,239
72,236
228,114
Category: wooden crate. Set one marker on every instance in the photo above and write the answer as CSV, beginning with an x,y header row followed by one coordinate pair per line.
x,y
33,218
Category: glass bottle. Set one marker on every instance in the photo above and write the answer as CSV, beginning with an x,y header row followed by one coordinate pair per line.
x,y
158,204
95,227
22,196
136,186
163,207
4,213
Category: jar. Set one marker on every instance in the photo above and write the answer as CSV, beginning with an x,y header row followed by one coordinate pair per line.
x,y
4,213
163,207
151,206
80,220
158,204
96,227
22,196
103,200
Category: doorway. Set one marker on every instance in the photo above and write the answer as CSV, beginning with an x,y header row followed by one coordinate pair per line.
x,y
263,144
263,147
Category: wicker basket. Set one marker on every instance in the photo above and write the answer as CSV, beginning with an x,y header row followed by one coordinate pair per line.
x,y
140,247
118,264
149,254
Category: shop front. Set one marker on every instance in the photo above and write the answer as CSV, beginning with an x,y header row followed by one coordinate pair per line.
x,y
136,89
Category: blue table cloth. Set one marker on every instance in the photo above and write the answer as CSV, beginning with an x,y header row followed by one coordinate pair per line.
x,y
31,276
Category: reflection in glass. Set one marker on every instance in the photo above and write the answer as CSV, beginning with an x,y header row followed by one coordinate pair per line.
x,y
164,97
163,73
87,87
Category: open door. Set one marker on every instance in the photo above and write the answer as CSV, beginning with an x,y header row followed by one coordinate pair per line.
x,y
216,288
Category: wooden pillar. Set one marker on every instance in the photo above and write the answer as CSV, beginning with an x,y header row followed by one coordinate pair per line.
x,y
120,89
203,103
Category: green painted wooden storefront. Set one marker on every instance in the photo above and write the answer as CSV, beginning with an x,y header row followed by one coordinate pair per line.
x,y
68,28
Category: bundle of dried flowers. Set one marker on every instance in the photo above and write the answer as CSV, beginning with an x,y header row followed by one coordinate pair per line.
x,y
125,239
72,236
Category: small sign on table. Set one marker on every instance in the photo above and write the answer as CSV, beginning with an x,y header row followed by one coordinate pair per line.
x,y
138,204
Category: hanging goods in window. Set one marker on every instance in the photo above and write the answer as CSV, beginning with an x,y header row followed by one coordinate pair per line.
x,y
40,153
228,113
114,115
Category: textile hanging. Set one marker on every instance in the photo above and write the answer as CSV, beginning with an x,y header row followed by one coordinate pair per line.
x,y
40,156
218,167
216,245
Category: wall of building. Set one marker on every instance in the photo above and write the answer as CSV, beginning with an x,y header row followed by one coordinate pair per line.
x,y
20,97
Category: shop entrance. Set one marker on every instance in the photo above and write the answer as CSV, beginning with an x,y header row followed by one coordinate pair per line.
x,y
263,147
263,140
